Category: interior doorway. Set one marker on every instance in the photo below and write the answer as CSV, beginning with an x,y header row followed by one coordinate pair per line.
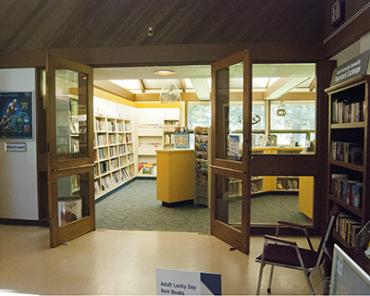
x,y
132,121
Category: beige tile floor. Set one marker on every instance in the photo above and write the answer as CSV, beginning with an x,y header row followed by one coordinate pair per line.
x,y
124,262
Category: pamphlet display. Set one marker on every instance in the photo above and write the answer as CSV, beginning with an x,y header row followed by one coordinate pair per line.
x,y
16,115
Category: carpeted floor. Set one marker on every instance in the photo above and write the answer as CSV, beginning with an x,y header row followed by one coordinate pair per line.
x,y
135,207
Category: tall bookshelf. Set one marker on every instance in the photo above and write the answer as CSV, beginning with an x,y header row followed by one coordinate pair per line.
x,y
114,162
349,157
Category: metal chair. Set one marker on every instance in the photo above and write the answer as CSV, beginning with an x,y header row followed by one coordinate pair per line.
x,y
284,253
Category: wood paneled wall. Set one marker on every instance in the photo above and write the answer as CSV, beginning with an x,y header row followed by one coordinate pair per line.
x,y
40,24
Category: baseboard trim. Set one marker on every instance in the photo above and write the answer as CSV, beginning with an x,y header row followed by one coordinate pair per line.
x,y
23,222
104,196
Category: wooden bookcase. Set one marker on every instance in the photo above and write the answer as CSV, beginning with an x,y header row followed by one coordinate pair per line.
x,y
349,157
113,154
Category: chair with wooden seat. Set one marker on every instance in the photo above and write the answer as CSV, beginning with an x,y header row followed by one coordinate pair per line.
x,y
284,253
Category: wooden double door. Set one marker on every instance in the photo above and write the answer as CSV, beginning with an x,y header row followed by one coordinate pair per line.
x,y
70,162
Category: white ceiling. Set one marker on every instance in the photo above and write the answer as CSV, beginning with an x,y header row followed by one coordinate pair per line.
x,y
198,78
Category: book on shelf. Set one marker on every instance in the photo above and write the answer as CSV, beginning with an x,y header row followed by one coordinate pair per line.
x,y
104,167
121,139
131,158
96,186
120,126
347,111
100,125
111,127
347,152
147,168
287,183
113,151
128,138
103,153
170,126
114,163
347,227
112,139
348,191
75,145
127,126
122,149
102,140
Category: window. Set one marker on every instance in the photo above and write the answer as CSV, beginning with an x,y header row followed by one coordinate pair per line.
x,y
199,114
299,116
297,127
258,108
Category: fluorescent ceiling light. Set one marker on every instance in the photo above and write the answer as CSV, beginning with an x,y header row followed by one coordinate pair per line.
x,y
130,84
164,72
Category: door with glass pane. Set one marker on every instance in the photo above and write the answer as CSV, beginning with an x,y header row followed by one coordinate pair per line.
x,y
70,149
231,134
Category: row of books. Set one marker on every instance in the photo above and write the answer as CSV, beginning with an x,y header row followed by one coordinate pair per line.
x,y
111,127
347,152
113,151
347,228
121,126
104,167
103,153
122,149
256,186
147,168
102,140
100,125
287,183
349,191
114,163
345,112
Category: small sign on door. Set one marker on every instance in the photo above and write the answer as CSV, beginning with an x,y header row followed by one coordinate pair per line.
x,y
180,282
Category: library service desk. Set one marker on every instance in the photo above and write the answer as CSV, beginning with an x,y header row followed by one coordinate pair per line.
x,y
175,175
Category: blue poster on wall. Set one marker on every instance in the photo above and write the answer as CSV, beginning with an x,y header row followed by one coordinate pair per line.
x,y
16,115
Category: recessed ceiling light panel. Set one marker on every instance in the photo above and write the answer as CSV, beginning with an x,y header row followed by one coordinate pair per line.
x,y
164,72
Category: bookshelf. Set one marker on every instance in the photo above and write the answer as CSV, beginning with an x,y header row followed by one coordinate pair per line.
x,y
201,147
349,157
114,162
150,139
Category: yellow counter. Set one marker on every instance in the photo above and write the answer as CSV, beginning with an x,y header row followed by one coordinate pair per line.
x,y
175,175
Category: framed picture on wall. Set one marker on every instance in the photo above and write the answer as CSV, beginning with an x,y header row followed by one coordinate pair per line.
x,y
15,115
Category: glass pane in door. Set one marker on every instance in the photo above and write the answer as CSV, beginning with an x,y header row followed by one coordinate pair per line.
x,y
73,194
229,112
229,192
71,114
